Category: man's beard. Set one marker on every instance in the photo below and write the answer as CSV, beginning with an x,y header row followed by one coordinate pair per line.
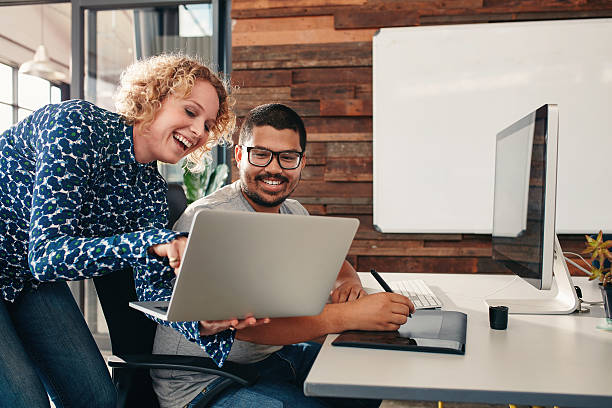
x,y
257,199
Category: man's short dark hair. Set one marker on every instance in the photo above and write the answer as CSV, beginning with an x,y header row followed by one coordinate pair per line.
x,y
278,116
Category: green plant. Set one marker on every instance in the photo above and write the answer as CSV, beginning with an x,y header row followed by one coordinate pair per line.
x,y
600,258
204,183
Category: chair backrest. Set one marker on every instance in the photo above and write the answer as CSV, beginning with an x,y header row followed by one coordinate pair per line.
x,y
177,202
131,332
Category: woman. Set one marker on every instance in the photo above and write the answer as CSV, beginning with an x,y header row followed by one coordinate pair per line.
x,y
80,197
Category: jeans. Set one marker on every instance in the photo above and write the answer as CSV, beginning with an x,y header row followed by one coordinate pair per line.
x,y
281,384
46,348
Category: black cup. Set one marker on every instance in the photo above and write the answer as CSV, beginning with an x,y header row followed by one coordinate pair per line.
x,y
498,317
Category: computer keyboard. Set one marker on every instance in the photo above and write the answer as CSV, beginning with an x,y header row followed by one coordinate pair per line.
x,y
418,291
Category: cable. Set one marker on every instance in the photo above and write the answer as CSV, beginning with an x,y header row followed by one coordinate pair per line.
x,y
579,256
577,266
599,302
583,270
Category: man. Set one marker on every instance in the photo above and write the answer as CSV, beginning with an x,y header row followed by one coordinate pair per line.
x,y
270,157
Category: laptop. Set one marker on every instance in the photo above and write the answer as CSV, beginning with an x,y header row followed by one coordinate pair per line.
x,y
268,265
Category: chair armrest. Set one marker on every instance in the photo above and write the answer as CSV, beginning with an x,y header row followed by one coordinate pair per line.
x,y
243,374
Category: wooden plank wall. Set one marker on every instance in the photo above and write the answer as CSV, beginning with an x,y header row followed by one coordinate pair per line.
x,y
316,56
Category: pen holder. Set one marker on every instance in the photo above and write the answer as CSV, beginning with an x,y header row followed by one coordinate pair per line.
x,y
498,317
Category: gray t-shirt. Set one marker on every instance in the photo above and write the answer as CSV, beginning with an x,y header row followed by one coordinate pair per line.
x,y
176,388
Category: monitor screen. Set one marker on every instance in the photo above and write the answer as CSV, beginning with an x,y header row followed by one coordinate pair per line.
x,y
523,215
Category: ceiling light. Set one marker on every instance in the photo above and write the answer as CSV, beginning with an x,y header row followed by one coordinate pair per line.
x,y
41,66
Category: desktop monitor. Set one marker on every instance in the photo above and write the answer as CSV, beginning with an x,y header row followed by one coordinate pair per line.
x,y
524,238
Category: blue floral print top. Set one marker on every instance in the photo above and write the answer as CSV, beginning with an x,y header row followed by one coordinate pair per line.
x,y
75,204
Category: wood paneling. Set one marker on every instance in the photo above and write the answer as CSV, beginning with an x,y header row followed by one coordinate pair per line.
x,y
294,30
312,172
315,154
261,78
352,201
332,209
359,75
270,4
349,149
421,264
315,209
339,125
303,56
316,56
290,11
348,169
346,107
413,249
340,137
326,189
369,19
318,92
303,108
264,93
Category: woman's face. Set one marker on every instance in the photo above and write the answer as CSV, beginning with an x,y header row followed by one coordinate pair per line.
x,y
180,126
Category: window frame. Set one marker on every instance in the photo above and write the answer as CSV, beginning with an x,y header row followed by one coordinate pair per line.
x,y
14,103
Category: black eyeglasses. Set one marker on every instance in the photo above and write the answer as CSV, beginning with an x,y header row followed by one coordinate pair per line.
x,y
260,157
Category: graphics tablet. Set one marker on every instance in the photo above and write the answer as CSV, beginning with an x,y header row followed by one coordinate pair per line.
x,y
436,331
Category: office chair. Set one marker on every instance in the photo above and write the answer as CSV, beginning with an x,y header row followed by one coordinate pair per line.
x,y
132,335
177,202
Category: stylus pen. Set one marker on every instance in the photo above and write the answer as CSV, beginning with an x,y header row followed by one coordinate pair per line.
x,y
382,283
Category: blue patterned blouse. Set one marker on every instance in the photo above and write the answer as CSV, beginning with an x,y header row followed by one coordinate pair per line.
x,y
75,204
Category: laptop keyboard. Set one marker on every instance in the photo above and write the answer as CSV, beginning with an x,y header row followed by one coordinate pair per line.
x,y
418,291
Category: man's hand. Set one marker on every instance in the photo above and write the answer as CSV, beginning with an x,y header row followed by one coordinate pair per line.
x,y
210,327
347,291
172,250
380,311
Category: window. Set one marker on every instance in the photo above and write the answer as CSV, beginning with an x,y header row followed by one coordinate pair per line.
x,y
20,95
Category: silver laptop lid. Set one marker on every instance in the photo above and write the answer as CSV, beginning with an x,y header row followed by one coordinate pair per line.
x,y
269,265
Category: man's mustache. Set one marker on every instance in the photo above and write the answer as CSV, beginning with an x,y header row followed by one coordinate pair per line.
x,y
271,176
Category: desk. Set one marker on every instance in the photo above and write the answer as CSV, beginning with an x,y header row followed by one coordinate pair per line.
x,y
540,360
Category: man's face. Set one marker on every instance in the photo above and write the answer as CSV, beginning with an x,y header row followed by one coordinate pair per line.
x,y
267,187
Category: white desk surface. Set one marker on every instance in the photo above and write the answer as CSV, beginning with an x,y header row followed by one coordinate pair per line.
x,y
539,360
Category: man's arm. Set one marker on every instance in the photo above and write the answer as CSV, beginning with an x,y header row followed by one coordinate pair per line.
x,y
348,286
380,311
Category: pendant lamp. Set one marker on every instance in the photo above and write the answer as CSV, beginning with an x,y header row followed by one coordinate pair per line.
x,y
41,66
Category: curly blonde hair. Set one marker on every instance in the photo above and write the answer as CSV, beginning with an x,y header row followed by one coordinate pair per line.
x,y
145,84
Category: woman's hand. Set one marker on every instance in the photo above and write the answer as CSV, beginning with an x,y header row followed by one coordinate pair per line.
x,y
210,327
172,250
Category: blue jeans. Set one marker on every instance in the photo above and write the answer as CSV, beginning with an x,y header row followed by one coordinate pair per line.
x,y
281,384
46,348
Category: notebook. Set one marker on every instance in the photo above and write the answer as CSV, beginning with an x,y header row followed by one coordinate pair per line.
x,y
268,265
436,331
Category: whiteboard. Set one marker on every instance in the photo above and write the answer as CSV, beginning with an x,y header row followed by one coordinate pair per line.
x,y
442,93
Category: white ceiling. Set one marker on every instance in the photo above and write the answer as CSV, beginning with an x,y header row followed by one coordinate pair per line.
x,y
22,30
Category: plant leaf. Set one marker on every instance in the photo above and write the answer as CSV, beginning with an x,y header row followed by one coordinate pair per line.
x,y
217,178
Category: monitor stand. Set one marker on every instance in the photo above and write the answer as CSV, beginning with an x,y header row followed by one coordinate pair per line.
x,y
560,299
